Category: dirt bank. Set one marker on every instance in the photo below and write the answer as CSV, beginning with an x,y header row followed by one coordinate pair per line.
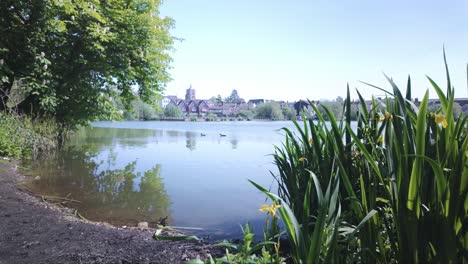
x,y
33,231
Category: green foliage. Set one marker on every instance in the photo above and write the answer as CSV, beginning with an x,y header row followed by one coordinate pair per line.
x,y
233,98
269,111
317,240
288,113
248,114
20,136
71,59
173,111
336,107
211,117
143,110
400,178
246,252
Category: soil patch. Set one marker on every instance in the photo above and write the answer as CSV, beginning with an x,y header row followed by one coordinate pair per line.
x,y
34,231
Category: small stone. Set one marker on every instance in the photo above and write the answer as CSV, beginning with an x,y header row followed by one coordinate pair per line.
x,y
143,225
37,178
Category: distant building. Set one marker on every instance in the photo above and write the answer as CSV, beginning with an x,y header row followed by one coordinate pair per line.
x,y
192,107
255,102
167,100
463,103
230,109
239,101
183,106
190,94
216,110
203,108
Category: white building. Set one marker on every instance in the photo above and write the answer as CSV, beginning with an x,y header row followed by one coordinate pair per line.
x,y
167,100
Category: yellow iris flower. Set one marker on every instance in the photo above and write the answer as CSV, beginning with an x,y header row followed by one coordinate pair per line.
x,y
440,119
387,116
271,209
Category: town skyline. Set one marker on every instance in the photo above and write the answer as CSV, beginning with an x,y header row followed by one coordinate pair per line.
x,y
312,49
233,105
182,93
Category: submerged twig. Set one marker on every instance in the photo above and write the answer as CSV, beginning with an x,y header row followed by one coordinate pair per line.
x,y
59,198
24,188
80,216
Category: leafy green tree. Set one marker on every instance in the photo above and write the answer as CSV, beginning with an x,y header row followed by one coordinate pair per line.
x,y
233,98
336,107
173,111
219,100
288,113
71,59
143,110
269,111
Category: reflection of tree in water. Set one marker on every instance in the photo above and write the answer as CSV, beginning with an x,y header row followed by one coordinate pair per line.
x,y
190,140
234,143
118,196
106,136
118,192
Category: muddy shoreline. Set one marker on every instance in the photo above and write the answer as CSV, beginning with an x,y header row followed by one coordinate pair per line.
x,y
34,231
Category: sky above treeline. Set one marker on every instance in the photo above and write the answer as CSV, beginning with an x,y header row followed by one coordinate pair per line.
x,y
289,50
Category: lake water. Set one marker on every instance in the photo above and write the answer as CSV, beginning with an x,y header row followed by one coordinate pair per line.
x,y
126,172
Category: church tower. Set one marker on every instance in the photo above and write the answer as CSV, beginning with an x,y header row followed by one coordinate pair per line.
x,y
190,94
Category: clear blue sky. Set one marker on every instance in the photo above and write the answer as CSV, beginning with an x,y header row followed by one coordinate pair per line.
x,y
295,49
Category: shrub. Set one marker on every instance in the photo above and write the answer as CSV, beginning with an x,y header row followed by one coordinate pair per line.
x,y
247,114
211,117
20,136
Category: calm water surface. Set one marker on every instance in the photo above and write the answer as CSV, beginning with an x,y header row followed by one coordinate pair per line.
x,y
126,172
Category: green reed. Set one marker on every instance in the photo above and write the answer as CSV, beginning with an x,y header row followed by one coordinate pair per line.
x,y
397,185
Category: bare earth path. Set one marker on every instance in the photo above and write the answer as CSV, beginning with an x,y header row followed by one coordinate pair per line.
x,y
32,231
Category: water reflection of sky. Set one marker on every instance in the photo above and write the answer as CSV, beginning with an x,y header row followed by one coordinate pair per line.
x,y
205,176
197,180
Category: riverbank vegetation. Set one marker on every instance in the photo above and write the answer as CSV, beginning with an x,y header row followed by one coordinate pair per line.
x,y
72,62
394,189
22,136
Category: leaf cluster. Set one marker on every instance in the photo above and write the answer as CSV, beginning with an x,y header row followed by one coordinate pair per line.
x,y
73,59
